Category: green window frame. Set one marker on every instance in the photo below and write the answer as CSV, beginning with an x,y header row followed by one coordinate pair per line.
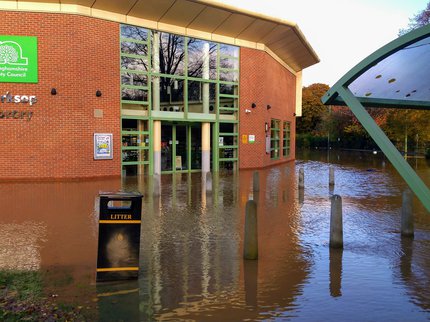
x,y
182,94
286,139
275,139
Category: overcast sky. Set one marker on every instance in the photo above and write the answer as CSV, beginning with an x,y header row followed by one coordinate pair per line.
x,y
342,32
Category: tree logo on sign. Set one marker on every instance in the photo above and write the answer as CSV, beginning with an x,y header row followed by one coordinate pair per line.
x,y
11,54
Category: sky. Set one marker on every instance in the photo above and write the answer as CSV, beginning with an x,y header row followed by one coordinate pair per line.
x,y
342,32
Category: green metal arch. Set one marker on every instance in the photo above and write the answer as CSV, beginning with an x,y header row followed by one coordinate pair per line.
x,y
340,93
392,47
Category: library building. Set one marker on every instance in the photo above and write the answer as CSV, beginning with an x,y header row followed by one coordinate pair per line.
x,y
101,88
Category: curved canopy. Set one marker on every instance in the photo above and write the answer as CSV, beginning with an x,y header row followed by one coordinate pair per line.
x,y
398,76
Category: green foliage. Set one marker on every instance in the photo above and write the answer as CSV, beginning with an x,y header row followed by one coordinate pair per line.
x,y
313,110
26,285
22,299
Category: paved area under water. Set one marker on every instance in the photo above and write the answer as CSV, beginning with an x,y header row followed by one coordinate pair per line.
x,y
191,266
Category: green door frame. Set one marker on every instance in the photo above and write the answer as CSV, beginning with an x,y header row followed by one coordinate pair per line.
x,y
188,127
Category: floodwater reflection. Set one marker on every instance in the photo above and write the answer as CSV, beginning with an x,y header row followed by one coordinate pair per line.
x,y
191,266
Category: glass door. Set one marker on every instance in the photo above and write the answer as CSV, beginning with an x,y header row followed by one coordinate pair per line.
x,y
166,147
181,147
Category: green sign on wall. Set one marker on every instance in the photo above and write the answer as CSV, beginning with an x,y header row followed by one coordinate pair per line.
x,y
18,59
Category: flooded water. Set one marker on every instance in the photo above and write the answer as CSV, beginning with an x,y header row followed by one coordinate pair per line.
x,y
191,266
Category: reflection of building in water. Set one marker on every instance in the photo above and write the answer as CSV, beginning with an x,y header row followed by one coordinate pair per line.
x,y
192,266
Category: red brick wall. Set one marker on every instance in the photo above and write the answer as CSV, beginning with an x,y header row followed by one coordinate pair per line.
x,y
77,56
264,81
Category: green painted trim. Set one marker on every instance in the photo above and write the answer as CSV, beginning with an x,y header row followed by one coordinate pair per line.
x,y
221,147
134,117
377,56
134,56
390,151
135,102
228,95
228,159
135,162
125,39
145,88
202,80
134,132
126,148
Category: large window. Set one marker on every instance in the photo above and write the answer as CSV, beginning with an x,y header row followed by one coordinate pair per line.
x,y
286,133
274,139
177,78
134,68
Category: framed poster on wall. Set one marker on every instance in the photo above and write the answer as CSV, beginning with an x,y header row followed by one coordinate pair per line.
x,y
103,148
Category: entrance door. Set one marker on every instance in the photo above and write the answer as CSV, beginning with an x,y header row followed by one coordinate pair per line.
x,y
180,147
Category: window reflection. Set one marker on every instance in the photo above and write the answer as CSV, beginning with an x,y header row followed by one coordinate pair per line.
x,y
135,33
228,89
171,94
135,79
196,56
228,50
229,63
132,94
196,98
171,54
134,48
138,64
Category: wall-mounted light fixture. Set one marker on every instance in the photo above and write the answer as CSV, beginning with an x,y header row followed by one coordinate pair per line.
x,y
268,107
266,127
98,93
53,91
253,105
247,111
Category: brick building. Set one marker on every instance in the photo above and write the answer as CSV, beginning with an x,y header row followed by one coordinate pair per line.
x,y
83,95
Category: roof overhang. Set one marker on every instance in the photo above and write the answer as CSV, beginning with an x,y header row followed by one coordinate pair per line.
x,y
207,19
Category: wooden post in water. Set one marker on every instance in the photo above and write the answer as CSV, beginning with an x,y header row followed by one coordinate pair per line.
x,y
336,225
250,244
331,176
301,178
407,229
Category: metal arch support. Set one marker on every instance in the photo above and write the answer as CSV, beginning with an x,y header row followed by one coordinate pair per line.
x,y
390,151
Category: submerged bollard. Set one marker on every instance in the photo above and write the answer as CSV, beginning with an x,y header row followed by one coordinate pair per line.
x,y
301,178
336,225
331,176
407,229
250,244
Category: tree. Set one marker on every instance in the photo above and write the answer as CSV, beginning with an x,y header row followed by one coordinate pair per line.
x,y
312,109
421,19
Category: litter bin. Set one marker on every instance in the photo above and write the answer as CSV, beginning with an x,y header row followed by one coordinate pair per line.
x,y
119,236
